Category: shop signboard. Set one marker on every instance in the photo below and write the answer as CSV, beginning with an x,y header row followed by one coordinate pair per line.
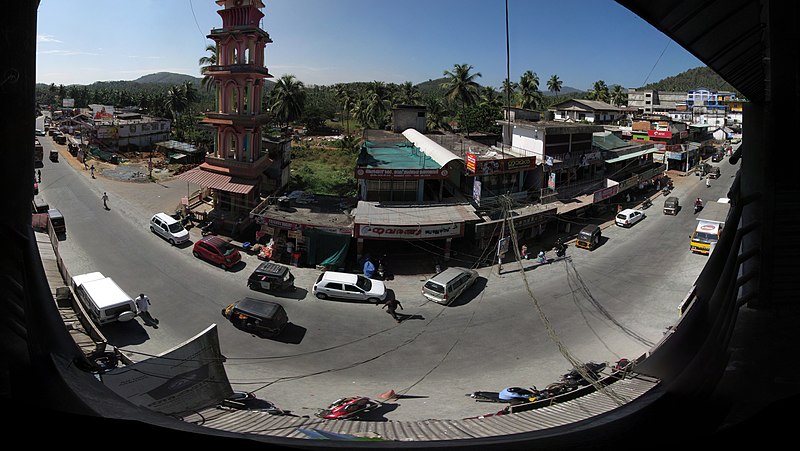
x,y
471,163
628,183
659,134
476,192
674,155
392,232
551,181
401,174
608,192
504,165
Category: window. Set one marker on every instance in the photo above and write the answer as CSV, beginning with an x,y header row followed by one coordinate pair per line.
x,y
334,286
352,289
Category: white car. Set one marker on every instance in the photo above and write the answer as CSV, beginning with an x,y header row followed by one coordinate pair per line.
x,y
629,217
342,285
40,132
168,228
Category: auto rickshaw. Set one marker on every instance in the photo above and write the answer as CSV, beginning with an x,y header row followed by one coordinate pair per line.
x,y
257,316
588,237
671,206
53,155
270,276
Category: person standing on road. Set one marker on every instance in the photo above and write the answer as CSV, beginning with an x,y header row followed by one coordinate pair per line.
x,y
708,182
91,170
105,201
143,305
392,305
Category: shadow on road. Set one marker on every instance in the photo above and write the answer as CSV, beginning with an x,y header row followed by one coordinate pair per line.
x,y
292,334
377,415
126,334
473,292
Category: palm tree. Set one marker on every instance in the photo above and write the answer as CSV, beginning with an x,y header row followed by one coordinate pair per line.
x,y
490,97
509,89
378,104
436,114
205,62
530,96
346,98
599,91
461,85
190,92
408,94
176,101
618,96
287,99
554,84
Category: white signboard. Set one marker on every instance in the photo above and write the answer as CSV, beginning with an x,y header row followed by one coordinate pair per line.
x,y
405,232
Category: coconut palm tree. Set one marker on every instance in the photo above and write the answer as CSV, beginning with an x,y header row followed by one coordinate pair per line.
x,y
205,62
530,96
461,86
599,91
190,92
618,96
407,94
436,114
176,101
509,89
554,84
490,97
287,99
378,103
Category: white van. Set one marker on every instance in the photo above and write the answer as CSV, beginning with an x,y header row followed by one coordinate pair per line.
x,y
169,228
103,299
447,285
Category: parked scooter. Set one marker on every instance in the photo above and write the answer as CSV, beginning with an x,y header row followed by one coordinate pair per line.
x,y
541,258
647,203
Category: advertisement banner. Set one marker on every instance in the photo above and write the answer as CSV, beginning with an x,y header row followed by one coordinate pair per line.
x,y
674,155
551,182
476,192
406,232
185,379
488,167
659,134
68,103
605,193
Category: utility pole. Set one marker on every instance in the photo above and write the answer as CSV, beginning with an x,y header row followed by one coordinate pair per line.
x,y
500,243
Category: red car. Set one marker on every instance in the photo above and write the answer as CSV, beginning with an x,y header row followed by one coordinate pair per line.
x,y
217,251
350,407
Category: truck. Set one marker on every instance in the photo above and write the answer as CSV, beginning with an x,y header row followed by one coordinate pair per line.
x,y
38,159
710,222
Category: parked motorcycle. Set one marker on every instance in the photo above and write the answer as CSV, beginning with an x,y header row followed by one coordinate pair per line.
x,y
348,408
561,248
666,190
512,395
647,203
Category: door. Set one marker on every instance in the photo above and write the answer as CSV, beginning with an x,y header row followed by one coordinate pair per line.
x,y
353,292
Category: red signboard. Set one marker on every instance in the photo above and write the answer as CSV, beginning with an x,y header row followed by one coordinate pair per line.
x,y
659,134
471,163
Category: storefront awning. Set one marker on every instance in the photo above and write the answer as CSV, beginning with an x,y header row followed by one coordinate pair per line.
x,y
631,155
221,182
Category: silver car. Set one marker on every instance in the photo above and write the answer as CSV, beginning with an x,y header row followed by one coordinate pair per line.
x,y
168,228
446,286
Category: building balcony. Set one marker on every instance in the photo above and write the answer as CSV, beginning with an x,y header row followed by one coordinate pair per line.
x,y
236,119
239,168
237,69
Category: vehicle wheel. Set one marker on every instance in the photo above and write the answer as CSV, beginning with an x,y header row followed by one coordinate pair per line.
x,y
195,254
171,241
152,229
222,265
322,296
373,300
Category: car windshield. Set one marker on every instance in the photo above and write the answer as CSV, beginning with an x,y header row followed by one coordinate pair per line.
x,y
621,216
364,283
702,237
585,236
227,249
175,227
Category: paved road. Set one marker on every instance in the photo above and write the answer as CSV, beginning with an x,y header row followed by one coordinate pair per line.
x,y
613,302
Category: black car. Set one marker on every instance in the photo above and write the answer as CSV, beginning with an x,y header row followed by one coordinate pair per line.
x,y
257,316
717,157
271,277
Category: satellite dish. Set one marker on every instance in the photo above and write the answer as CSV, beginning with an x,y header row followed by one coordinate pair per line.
x,y
126,316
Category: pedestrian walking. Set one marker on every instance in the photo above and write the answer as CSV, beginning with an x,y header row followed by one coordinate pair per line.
x,y
524,251
708,182
391,307
105,201
91,171
143,306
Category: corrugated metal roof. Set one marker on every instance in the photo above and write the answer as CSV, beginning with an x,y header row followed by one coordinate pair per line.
x,y
222,182
405,214
561,414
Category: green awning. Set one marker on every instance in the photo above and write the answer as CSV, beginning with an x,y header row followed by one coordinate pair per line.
x,y
631,155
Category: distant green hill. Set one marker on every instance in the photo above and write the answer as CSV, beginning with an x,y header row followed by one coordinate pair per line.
x,y
699,77
169,78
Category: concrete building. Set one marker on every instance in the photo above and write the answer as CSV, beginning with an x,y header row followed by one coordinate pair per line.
x,y
409,116
592,111
652,101
130,131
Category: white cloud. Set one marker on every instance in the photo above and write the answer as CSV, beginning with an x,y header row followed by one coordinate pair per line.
x,y
46,38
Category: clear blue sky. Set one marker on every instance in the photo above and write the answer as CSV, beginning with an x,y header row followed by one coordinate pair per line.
x,y
330,41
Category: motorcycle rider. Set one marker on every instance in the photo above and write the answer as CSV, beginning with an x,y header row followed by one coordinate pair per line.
x,y
698,204
560,248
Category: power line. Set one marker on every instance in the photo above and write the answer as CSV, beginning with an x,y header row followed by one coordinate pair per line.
x,y
195,22
656,63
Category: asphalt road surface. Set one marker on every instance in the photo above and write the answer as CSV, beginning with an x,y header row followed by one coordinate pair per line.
x,y
511,329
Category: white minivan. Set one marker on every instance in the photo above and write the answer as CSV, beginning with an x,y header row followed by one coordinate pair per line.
x,y
169,228
103,299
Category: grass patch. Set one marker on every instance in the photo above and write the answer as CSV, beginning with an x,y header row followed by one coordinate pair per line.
x,y
322,168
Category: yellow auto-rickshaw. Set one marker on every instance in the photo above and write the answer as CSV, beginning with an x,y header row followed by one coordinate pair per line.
x,y
588,237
